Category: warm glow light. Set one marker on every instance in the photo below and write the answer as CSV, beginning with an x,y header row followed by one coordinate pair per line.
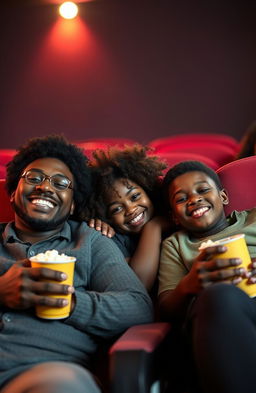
x,y
68,10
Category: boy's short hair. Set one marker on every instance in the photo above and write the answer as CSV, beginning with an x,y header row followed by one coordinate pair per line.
x,y
184,167
53,146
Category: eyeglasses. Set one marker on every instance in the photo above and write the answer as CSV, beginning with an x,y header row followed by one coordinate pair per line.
x,y
58,182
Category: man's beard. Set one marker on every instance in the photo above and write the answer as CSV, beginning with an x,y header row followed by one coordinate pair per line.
x,y
36,223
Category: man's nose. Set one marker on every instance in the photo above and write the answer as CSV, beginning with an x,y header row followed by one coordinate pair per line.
x,y
45,185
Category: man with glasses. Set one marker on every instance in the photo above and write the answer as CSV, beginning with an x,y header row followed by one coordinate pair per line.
x,y
49,182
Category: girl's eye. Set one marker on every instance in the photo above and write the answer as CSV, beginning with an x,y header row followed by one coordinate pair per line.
x,y
115,210
136,196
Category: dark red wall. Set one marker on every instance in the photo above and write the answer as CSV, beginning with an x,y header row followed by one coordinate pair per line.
x,y
138,69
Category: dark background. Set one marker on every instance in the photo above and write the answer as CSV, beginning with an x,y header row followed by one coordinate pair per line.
x,y
129,68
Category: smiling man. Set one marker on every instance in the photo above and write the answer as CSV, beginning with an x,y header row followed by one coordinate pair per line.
x,y
49,182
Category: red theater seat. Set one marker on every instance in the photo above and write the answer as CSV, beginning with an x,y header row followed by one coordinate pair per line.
x,y
237,178
6,155
221,154
6,212
222,139
174,158
2,172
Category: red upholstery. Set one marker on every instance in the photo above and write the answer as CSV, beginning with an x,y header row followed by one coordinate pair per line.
x,y
222,139
137,359
175,157
238,178
221,154
146,336
2,172
6,212
6,155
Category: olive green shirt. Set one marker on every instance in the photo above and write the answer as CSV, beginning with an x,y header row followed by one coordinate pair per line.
x,y
179,250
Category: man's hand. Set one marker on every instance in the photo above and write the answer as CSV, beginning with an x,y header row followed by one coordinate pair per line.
x,y
23,286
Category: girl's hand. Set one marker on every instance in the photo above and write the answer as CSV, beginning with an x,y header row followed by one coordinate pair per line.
x,y
207,271
102,227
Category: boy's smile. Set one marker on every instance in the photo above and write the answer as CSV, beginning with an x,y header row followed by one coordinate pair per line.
x,y
197,203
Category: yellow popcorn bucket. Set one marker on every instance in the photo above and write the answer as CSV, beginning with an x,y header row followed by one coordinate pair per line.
x,y
67,267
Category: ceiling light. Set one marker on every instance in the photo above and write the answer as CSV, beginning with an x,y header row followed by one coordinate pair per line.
x,y
68,10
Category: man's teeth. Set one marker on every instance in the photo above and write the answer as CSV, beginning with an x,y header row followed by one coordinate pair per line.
x,y
136,219
199,212
42,202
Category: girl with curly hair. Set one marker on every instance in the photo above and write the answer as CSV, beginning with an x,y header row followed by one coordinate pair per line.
x,y
127,197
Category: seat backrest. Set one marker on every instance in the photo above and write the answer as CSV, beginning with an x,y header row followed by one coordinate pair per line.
x,y
221,154
238,178
174,158
223,139
6,211
6,155
2,171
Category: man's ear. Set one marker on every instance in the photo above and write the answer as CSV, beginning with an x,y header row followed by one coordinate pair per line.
x,y
12,197
224,197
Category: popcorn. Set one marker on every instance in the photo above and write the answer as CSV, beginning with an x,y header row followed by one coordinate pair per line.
x,y
208,243
51,256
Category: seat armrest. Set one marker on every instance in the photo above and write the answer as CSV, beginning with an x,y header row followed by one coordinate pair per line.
x,y
136,358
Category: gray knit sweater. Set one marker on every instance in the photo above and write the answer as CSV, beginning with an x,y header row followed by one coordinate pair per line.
x,y
109,299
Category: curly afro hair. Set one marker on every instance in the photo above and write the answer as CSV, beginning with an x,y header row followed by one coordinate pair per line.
x,y
54,146
131,163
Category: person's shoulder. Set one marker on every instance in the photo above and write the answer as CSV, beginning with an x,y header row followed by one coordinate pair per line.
x,y
244,213
250,214
126,243
175,237
81,228
74,225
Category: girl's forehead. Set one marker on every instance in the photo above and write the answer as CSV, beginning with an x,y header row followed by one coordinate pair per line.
x,y
124,182
120,188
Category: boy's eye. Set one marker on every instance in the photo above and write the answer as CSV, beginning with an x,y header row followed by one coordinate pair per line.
x,y
204,190
181,199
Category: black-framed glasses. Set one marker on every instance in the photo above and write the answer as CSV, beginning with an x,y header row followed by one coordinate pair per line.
x,y
35,178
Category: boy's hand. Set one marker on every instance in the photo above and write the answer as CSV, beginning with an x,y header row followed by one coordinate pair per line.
x,y
102,227
206,270
252,272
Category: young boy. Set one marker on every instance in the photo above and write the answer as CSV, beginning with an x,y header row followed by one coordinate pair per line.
x,y
220,319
